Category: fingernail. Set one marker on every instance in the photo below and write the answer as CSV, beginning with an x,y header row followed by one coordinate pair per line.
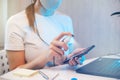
x,y
72,35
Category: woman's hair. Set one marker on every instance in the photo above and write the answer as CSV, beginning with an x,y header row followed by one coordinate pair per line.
x,y
31,15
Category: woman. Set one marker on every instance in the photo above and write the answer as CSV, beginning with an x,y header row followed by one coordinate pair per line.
x,y
33,36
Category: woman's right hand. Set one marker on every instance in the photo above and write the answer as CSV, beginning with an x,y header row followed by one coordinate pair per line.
x,y
58,47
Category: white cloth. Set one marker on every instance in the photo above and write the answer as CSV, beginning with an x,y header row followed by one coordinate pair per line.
x,y
19,36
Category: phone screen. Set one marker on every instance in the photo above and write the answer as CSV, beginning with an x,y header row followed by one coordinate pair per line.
x,y
85,51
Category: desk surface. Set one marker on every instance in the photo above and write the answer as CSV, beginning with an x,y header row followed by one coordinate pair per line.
x,y
3,78
65,72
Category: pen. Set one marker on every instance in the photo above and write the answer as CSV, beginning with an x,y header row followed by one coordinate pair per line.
x,y
55,76
44,75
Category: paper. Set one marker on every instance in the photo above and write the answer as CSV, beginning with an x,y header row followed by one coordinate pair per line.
x,y
24,72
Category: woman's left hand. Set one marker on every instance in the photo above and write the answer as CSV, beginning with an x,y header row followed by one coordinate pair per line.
x,y
76,60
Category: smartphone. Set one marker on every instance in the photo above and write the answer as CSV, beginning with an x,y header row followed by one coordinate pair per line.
x,y
85,51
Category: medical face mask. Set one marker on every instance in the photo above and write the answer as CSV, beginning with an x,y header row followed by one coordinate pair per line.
x,y
49,6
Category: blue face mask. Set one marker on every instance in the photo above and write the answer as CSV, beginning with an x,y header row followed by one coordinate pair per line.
x,y
49,6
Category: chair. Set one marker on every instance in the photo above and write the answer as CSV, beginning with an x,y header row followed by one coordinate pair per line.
x,y
4,66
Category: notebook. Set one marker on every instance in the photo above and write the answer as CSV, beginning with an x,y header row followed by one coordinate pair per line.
x,y
24,72
106,67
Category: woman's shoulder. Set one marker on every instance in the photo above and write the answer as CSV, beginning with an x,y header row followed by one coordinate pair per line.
x,y
19,17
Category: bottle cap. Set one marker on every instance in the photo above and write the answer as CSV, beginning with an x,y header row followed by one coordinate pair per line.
x,y
74,79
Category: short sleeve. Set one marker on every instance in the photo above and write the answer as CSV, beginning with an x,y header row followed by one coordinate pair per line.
x,y
14,36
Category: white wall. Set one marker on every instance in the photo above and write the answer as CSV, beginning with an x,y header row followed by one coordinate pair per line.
x,y
92,22
7,9
94,25
15,6
3,19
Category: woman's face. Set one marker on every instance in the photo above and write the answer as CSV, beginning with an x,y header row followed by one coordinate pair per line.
x,y
51,4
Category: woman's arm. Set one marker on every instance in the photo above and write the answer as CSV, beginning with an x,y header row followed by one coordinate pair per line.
x,y
17,59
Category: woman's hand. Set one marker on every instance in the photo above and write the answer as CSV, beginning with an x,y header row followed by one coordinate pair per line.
x,y
76,60
58,47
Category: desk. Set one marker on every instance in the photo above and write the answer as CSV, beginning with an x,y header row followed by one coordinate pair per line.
x,y
65,72
3,78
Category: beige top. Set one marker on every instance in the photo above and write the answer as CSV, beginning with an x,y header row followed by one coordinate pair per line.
x,y
19,36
